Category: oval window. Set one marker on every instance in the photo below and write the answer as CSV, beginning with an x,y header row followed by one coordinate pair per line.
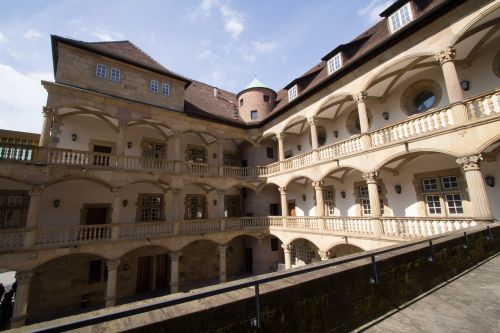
x,y
424,101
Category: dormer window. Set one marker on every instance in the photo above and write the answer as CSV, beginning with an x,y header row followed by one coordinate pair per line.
x,y
292,93
153,86
165,89
115,74
400,18
334,63
101,71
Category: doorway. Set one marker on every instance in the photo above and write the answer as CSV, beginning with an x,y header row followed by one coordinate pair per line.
x,y
144,271
162,279
291,208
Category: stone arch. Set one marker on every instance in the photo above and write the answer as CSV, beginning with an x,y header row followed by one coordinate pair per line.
x,y
337,99
157,126
302,253
294,121
462,34
345,168
90,179
412,152
108,119
295,177
482,146
159,184
350,241
205,136
343,249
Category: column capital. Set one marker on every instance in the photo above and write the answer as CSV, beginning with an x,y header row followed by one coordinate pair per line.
x,y
318,185
311,121
122,123
448,54
370,177
282,190
48,112
286,247
471,162
174,256
360,97
36,190
324,255
222,249
113,264
176,133
280,136
24,277
116,191
221,192
176,191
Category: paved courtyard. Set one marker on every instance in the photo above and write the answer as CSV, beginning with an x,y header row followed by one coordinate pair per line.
x,y
468,303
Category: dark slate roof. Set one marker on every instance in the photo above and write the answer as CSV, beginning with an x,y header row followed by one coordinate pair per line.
x,y
120,50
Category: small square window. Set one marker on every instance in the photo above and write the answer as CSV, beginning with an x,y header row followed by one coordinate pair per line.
x,y
165,89
270,152
433,204
115,74
363,191
153,86
429,184
292,93
101,71
241,101
253,115
449,182
266,98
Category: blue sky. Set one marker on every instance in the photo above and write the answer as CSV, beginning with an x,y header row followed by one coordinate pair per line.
x,y
220,42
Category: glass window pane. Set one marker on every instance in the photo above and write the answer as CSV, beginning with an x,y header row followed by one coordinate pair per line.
x,y
429,184
449,182
454,203
433,204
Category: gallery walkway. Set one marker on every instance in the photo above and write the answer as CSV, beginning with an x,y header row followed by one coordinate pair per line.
x,y
470,302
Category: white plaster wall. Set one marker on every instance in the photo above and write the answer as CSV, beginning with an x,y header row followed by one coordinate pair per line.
x,y
86,128
257,155
257,203
295,191
136,134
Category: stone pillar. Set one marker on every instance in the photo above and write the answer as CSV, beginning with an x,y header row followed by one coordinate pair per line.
x,y
452,82
475,185
284,202
116,211
174,271
176,204
23,280
48,114
176,141
112,265
320,203
324,255
314,133
281,147
288,255
375,213
120,144
33,215
221,209
222,263
364,124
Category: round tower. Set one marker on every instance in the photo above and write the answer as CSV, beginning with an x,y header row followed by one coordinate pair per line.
x,y
255,101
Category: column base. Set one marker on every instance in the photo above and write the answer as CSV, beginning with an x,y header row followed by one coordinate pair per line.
x,y
16,322
174,287
110,301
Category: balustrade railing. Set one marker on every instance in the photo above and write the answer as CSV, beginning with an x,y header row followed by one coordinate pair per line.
x,y
483,106
201,169
304,223
146,229
18,152
12,238
199,226
246,223
423,227
355,225
73,235
297,161
346,147
141,163
60,156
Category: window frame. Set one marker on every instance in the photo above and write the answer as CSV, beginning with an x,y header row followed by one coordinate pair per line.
x,y
254,115
362,198
165,89
203,205
293,93
199,149
20,209
113,76
150,207
97,71
399,17
335,63
154,86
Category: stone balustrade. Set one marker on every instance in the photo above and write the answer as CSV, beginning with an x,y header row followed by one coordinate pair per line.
x,y
396,228
417,126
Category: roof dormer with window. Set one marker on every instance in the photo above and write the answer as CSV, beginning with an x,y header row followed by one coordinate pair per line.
x,y
334,63
293,92
400,17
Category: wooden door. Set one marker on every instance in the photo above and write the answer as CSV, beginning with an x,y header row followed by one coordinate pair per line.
x,y
291,208
96,215
144,271
162,272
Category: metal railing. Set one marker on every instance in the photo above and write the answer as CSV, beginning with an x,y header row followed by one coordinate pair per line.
x,y
255,283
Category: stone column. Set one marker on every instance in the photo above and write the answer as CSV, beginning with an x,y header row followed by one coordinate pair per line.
x,y
284,202
364,124
48,114
324,255
221,209
176,141
176,204
222,263
33,215
174,271
375,213
281,147
475,184
116,211
120,144
112,265
452,82
314,133
288,255
320,203
23,280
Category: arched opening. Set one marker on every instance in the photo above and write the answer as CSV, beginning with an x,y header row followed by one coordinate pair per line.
x,y
143,272
297,137
266,202
331,115
300,196
264,153
198,265
303,252
81,278
340,250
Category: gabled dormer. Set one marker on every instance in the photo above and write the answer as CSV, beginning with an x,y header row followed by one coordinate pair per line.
x,y
293,92
399,14
334,63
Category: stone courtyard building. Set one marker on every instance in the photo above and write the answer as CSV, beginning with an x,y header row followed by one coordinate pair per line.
x,y
145,182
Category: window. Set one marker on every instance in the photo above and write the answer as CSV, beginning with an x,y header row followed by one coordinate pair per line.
x,y
153,154
232,206
231,158
400,18
101,71
150,207
196,154
266,99
292,93
442,195
95,271
153,86
303,252
115,74
270,152
421,96
424,101
165,89
334,63
241,101
363,198
195,207
329,199
253,114
13,209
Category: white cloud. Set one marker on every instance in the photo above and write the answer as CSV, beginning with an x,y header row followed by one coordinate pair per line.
x,y
104,36
264,47
22,99
232,19
3,39
32,34
372,10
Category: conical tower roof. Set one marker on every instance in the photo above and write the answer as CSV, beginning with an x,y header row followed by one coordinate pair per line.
x,y
256,84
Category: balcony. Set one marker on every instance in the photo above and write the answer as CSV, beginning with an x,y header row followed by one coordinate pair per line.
x,y
393,228
420,126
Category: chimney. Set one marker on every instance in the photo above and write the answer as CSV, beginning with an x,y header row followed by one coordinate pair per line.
x,y
216,92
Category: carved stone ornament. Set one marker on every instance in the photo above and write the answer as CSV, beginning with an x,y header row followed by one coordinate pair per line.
x,y
447,54
470,162
370,177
